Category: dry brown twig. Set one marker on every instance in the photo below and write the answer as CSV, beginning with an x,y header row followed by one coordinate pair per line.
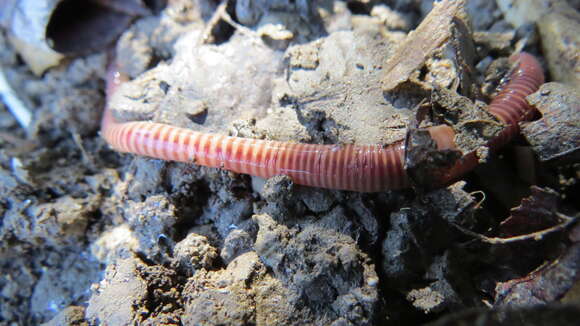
x,y
420,44
567,221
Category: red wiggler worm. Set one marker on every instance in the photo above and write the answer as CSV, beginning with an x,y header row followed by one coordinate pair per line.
x,y
366,168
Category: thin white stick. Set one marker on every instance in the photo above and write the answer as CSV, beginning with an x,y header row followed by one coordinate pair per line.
x,y
13,103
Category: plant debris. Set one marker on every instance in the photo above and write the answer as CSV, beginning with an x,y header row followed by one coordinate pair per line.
x,y
421,43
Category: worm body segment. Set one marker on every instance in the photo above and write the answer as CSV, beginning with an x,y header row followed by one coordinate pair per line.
x,y
510,105
367,168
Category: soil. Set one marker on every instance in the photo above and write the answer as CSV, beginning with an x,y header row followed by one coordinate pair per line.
x,y
90,236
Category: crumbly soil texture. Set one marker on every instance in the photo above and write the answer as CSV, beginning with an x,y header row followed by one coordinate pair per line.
x,y
90,236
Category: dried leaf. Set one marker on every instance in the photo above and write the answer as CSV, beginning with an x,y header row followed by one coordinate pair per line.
x,y
546,284
536,212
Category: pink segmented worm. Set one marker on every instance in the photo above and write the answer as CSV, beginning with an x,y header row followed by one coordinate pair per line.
x,y
367,168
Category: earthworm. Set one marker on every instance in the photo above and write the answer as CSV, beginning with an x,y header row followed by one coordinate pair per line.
x,y
365,168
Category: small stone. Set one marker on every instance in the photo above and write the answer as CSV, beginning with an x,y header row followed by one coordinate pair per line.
x,y
425,299
69,316
192,253
236,243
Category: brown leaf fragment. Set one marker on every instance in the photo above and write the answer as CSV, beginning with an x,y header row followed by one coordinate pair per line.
x,y
421,43
557,134
536,212
546,284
